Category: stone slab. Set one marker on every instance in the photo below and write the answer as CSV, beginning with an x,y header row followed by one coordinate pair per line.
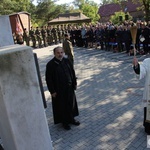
x,y
23,123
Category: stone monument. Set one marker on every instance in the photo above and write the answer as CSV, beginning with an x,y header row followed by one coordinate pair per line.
x,y
23,123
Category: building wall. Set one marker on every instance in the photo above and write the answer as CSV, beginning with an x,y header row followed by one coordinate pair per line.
x,y
25,19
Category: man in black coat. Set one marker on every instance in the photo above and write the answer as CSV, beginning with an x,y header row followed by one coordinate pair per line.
x,y
61,82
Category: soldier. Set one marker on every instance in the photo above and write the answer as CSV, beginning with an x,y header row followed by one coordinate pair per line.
x,y
68,48
54,33
44,35
59,33
32,36
49,35
26,37
38,36
62,32
66,29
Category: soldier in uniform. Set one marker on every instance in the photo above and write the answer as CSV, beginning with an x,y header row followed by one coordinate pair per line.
x,y
38,36
68,48
32,36
62,32
44,35
54,33
49,35
26,37
59,34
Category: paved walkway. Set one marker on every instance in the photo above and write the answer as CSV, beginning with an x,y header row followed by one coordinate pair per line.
x,y
109,100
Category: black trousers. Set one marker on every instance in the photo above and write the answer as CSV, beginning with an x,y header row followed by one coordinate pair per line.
x,y
145,123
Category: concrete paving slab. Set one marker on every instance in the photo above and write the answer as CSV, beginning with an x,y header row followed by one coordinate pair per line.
x,y
109,99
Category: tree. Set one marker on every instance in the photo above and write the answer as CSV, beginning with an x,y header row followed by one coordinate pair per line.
x,y
145,7
48,10
115,18
10,6
91,11
88,8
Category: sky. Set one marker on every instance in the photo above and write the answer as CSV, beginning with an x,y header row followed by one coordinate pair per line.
x,y
69,1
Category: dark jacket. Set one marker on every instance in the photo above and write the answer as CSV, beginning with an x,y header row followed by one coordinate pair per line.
x,y
60,78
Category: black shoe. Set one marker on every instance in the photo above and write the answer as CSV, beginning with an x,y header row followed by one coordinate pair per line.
x,y
66,127
77,123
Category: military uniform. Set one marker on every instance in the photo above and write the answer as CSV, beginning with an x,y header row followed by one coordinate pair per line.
x,y
44,36
38,36
68,49
59,34
54,34
49,36
26,37
33,37
62,33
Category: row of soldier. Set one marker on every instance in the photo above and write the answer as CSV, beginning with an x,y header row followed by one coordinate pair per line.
x,y
41,37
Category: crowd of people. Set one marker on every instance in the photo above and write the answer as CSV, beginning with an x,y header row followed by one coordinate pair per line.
x,y
107,36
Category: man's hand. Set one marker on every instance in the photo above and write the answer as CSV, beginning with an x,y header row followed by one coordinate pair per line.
x,y
135,61
54,94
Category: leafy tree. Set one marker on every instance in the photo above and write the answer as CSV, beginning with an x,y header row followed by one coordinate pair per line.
x,y
88,8
115,18
145,7
10,6
48,10
91,11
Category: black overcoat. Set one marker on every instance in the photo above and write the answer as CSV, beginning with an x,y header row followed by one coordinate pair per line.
x,y
64,104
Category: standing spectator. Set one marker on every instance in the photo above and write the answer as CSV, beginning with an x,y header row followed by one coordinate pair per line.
x,y
106,37
119,34
73,35
89,36
97,34
83,33
145,33
126,38
61,82
102,37
138,24
68,48
79,42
